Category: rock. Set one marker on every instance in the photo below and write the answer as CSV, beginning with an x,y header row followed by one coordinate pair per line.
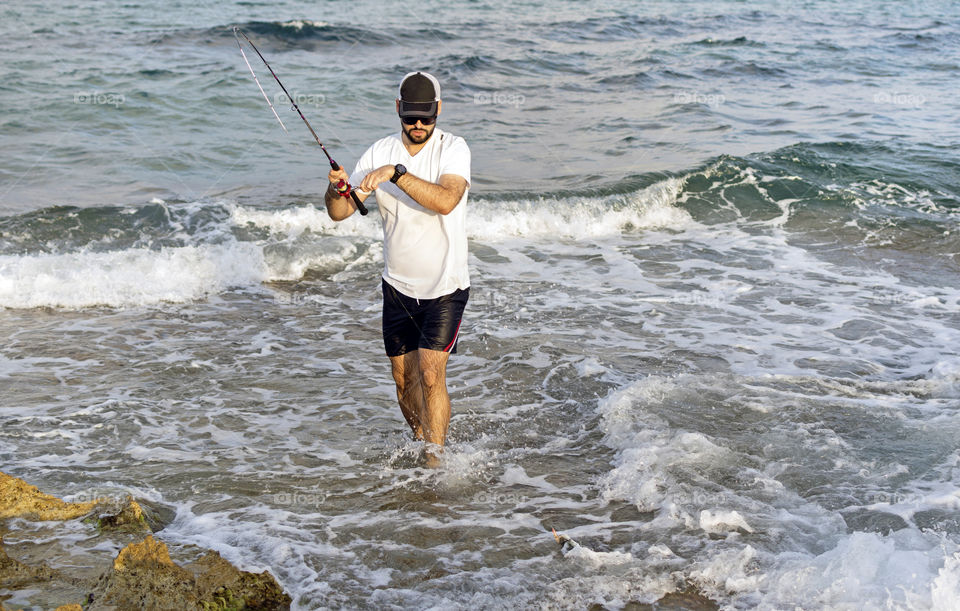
x,y
217,578
14,574
19,499
688,600
127,516
144,577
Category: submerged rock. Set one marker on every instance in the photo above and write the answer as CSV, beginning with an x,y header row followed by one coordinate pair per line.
x,y
218,580
689,599
125,516
14,574
142,576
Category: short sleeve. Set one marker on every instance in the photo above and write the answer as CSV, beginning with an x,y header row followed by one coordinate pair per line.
x,y
455,159
364,166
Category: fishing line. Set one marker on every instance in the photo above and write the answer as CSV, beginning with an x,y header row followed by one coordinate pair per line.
x,y
343,187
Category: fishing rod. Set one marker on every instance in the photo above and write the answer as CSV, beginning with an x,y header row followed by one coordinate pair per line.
x,y
343,187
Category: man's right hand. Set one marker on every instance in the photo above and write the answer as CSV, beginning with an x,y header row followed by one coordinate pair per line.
x,y
338,207
337,175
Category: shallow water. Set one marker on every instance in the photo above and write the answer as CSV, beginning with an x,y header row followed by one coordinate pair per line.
x,y
711,338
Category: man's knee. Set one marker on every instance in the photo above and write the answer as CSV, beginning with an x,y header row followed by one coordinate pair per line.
x,y
433,379
406,372
433,372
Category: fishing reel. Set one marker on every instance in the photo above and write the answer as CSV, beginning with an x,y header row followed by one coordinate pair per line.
x,y
343,188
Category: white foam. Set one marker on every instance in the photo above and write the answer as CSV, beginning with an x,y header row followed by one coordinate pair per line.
x,y
945,375
294,221
291,261
906,569
945,591
573,217
517,475
581,554
301,238
580,217
299,24
129,277
656,467
728,571
723,521
661,550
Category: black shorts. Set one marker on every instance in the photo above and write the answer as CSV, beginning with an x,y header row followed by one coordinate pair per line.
x,y
409,324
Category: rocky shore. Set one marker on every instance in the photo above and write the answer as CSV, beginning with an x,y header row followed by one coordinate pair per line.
x,y
37,570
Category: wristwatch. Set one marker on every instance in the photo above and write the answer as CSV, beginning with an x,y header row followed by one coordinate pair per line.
x,y
398,171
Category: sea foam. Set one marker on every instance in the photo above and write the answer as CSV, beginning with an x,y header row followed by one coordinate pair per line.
x,y
129,277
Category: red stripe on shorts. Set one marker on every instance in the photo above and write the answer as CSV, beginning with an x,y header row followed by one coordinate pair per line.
x,y
455,335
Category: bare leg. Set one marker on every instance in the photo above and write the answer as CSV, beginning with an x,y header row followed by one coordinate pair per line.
x,y
435,415
407,376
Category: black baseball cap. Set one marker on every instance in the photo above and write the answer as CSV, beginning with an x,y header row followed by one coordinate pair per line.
x,y
419,93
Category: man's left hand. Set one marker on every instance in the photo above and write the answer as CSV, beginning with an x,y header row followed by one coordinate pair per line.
x,y
372,180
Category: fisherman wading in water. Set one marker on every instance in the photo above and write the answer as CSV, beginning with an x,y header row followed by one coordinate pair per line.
x,y
421,176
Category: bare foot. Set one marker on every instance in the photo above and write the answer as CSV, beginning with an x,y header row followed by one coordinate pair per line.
x,y
433,457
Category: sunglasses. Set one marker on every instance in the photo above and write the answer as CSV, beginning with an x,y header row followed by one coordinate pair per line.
x,y
424,120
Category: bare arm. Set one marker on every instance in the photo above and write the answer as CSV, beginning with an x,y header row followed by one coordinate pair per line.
x,y
441,196
339,207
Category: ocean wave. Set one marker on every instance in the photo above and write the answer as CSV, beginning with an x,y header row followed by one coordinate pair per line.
x,y
303,34
492,219
762,528
853,191
652,207
739,41
617,27
128,278
128,255
304,31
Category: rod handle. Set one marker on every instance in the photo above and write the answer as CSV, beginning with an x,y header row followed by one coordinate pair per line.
x,y
363,209
356,200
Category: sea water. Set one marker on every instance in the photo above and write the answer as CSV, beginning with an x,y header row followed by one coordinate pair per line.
x,y
714,313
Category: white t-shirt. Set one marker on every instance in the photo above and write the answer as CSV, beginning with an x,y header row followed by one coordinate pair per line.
x,y
425,252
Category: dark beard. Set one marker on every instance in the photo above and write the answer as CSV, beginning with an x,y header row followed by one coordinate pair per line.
x,y
429,131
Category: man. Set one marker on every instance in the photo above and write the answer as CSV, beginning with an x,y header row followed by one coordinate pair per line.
x,y
421,176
